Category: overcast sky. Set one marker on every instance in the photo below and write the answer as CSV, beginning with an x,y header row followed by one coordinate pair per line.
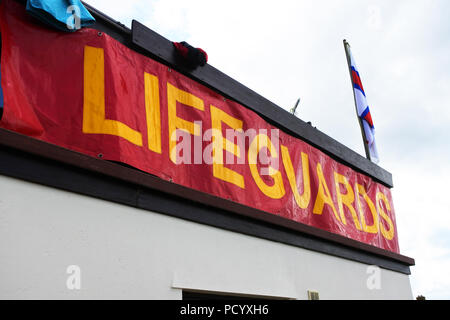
x,y
289,49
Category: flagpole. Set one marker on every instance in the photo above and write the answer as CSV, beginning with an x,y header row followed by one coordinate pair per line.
x,y
366,146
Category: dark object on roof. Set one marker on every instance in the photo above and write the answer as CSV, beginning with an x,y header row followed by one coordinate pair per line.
x,y
192,57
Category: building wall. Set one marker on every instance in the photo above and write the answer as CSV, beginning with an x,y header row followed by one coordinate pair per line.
x,y
128,253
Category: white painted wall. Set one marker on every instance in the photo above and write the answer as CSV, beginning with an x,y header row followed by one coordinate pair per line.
x,y
127,253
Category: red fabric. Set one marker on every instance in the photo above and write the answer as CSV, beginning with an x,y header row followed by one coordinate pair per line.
x,y
357,80
42,77
368,118
193,56
204,53
182,50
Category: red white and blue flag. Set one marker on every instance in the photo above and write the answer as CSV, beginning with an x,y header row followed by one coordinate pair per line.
x,y
362,108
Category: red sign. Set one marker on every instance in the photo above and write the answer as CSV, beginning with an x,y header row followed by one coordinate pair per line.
x,y
87,92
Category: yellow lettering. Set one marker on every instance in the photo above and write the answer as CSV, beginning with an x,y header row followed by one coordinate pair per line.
x,y
152,111
346,199
220,143
304,199
388,234
276,191
323,195
94,121
175,95
360,190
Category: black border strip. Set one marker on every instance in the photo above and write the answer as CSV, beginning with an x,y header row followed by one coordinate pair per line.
x,y
40,162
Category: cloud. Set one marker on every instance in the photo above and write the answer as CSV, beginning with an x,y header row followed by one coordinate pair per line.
x,y
123,11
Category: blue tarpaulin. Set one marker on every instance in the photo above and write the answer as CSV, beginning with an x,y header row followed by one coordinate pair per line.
x,y
64,15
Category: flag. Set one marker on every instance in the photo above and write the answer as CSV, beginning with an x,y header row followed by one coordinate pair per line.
x,y
362,108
